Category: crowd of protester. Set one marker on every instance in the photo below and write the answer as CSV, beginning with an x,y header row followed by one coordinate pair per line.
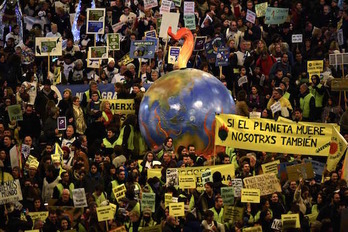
x,y
102,151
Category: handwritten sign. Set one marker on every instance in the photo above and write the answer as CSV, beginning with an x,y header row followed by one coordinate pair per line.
x,y
233,213
276,15
297,38
227,195
237,185
119,192
251,16
148,200
10,191
148,4
105,213
38,215
189,8
260,9
267,183
304,171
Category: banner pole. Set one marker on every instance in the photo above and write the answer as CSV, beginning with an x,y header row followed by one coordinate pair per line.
x,y
48,65
165,51
140,60
220,67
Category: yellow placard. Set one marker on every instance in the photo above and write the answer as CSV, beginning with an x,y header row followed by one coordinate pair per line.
x,y
266,183
271,167
259,134
253,229
105,213
177,209
157,228
32,231
38,215
187,182
233,214
119,192
122,106
290,221
154,172
250,195
168,198
226,170
315,66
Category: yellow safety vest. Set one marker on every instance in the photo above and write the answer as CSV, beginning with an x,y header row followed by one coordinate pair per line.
x,y
305,106
60,188
318,97
130,141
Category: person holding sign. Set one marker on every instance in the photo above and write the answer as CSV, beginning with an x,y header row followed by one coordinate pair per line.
x,y
279,105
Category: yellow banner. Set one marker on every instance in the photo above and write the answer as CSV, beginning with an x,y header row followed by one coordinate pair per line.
x,y
38,215
177,209
226,170
187,182
105,213
271,167
259,134
122,106
250,195
267,183
290,221
338,147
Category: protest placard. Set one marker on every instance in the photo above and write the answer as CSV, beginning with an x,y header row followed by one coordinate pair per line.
x,y
148,201
190,21
318,168
93,63
271,167
177,209
126,59
189,8
61,123
232,213
340,38
168,198
122,106
157,228
199,43
227,194
119,191
222,56
187,182
15,113
113,41
207,177
211,48
270,136
251,16
315,65
261,8
276,224
48,46
253,229
10,191
276,15
25,150
142,49
168,20
177,3
290,221
165,6
151,33
155,40
105,213
276,107
255,114
79,198
172,177
95,21
237,185
38,215
267,183
97,53
173,54
296,38
304,171
148,4
226,170
250,195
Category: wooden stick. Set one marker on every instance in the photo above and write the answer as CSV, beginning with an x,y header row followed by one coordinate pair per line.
x,y
107,225
220,67
49,65
140,60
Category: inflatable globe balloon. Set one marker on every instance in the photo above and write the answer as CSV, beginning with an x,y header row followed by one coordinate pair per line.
x,y
182,104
